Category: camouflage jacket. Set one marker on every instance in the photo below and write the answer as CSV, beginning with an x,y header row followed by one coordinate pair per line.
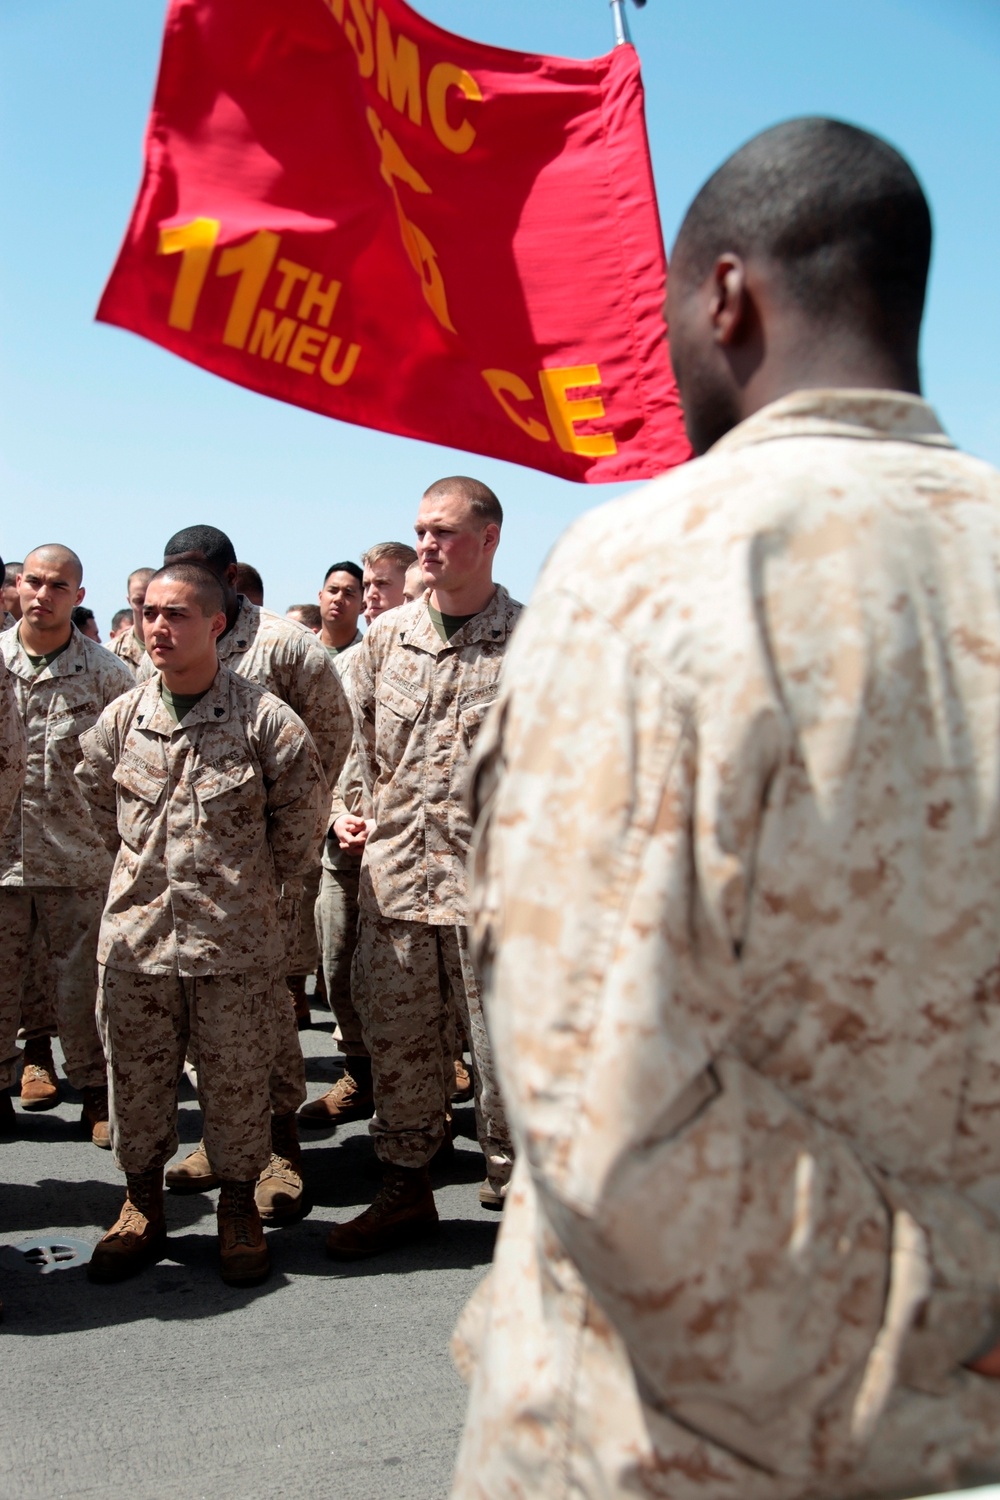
x,y
288,661
419,703
206,819
12,747
737,899
49,839
128,648
349,794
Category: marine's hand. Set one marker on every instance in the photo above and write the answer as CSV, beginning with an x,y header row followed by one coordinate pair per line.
x,y
351,833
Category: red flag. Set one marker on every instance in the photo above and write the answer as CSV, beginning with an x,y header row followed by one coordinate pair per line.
x,y
354,211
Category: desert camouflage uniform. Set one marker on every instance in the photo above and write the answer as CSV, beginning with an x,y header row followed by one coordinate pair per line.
x,y
289,662
8,622
419,702
207,817
337,906
737,898
13,746
53,867
128,648
308,955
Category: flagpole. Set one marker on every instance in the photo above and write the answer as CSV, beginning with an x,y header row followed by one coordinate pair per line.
x,y
622,38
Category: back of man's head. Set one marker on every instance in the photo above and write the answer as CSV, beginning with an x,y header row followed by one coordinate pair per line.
x,y
210,544
837,209
250,583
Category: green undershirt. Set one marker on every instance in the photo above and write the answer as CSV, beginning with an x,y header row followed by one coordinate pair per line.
x,y
41,662
448,625
179,705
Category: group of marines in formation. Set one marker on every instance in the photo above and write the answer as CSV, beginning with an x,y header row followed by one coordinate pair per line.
x,y
221,804
733,894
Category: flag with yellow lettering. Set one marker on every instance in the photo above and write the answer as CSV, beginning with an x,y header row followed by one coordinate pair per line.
x,y
349,209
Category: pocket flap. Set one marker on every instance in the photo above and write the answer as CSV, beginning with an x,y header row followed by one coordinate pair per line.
x,y
213,781
141,780
405,704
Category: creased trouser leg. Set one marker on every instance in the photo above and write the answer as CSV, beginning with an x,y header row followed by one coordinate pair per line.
x,y
288,1074
146,1020
287,1084
38,1005
16,922
491,1120
337,932
71,920
400,988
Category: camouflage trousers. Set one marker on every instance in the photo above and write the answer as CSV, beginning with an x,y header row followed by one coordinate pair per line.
x,y
288,1075
287,1083
63,924
38,1006
337,932
147,1021
410,980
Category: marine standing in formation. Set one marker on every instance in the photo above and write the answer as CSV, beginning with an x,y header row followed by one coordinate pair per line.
x,y
53,867
210,793
422,682
737,902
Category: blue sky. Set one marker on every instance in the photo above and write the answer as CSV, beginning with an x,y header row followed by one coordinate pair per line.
x,y
109,443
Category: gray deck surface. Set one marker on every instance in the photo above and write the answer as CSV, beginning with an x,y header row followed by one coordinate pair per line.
x,y
326,1383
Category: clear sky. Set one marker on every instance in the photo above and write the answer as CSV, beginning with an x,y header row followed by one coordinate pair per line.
x,y
109,443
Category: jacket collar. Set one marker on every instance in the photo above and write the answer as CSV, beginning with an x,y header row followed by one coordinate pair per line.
x,y
245,627
873,415
69,663
215,708
491,624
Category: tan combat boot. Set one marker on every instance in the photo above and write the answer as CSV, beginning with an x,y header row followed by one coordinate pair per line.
x,y
280,1194
351,1098
94,1116
297,989
39,1085
138,1237
194,1174
404,1211
490,1197
243,1257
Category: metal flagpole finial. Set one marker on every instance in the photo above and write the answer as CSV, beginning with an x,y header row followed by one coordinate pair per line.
x,y
622,37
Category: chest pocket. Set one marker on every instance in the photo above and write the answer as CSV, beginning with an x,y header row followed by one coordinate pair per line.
x,y
396,713
63,729
472,710
139,791
210,782
231,801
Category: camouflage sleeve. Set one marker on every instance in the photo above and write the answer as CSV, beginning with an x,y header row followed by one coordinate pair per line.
x,y
95,773
12,748
314,690
117,677
350,794
298,799
751,1262
363,679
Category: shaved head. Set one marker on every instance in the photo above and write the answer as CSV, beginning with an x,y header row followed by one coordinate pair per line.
x,y
55,555
837,209
206,588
